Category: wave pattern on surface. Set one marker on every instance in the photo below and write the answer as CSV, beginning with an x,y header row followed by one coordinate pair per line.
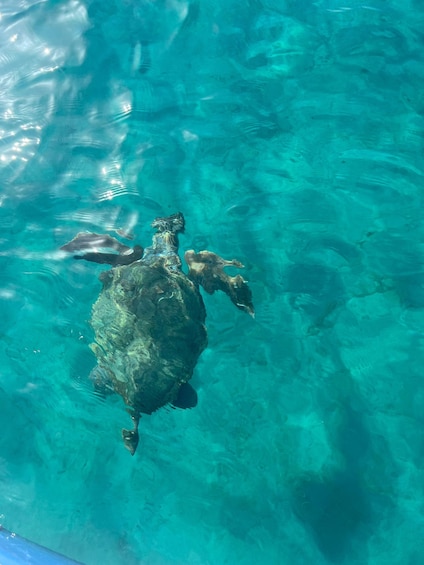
x,y
290,136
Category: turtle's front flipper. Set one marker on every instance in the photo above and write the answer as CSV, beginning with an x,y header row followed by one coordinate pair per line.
x,y
206,269
89,243
131,437
113,258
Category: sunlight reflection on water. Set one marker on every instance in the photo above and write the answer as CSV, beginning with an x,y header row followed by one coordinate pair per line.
x,y
290,135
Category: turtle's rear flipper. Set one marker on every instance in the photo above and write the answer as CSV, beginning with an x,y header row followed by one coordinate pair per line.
x,y
131,437
186,398
206,269
89,243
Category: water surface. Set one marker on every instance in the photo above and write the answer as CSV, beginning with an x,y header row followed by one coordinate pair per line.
x,y
290,134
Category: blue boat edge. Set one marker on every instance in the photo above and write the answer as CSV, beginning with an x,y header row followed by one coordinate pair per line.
x,y
15,550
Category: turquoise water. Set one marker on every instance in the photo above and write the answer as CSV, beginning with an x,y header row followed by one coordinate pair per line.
x,y
290,134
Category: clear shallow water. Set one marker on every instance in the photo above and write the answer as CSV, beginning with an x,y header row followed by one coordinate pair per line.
x,y
290,135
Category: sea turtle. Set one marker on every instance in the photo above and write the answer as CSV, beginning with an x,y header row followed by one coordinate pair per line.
x,y
149,320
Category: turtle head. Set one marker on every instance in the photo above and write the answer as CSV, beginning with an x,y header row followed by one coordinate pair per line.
x,y
174,224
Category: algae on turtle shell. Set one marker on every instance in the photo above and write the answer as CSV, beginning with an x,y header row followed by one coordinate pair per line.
x,y
149,320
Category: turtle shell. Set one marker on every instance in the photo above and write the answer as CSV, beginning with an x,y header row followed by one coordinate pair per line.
x,y
149,320
149,326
